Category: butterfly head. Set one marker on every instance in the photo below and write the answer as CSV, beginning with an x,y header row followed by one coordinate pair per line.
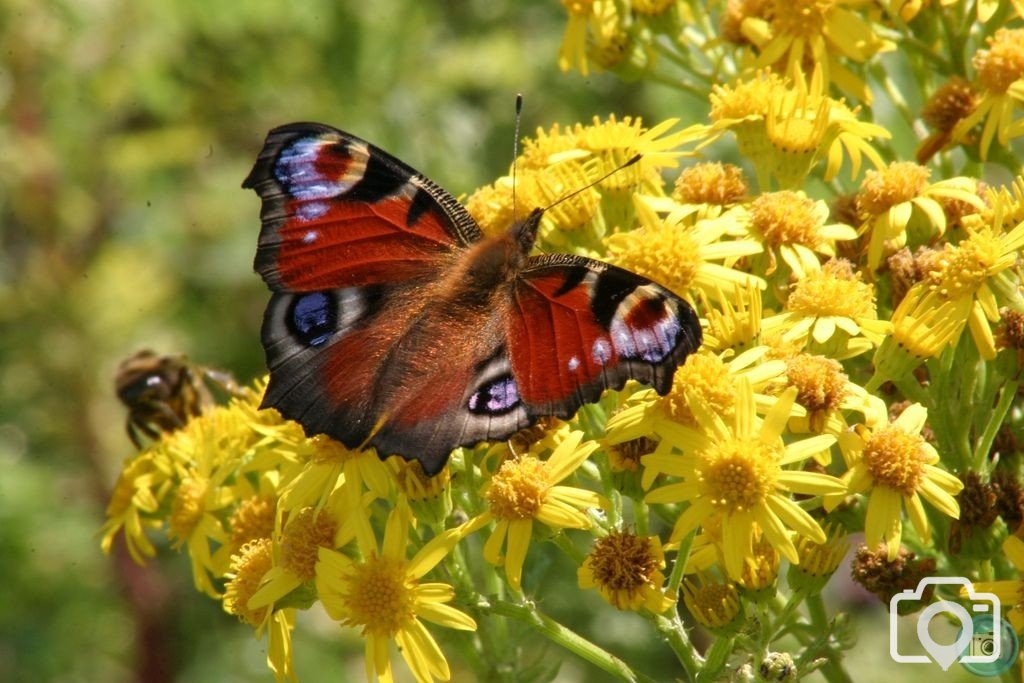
x,y
524,232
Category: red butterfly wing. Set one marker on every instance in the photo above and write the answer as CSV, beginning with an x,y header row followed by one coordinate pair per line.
x,y
581,326
339,212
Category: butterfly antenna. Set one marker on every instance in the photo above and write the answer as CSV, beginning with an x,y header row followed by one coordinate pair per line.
x,y
632,160
515,150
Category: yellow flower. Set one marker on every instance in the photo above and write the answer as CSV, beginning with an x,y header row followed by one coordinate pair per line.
x,y
626,570
705,379
573,53
947,107
382,593
893,463
680,257
525,490
712,186
327,467
999,69
972,276
734,473
714,605
922,328
820,31
737,326
248,567
818,561
825,391
790,225
786,127
894,199
133,507
832,308
1010,592
297,548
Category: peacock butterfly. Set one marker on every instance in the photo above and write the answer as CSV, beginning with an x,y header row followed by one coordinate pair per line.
x,y
394,323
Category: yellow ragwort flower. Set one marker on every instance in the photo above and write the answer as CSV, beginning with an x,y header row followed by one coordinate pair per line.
x,y
733,323
626,570
705,379
999,69
896,467
735,473
834,309
248,567
787,126
975,276
715,605
682,257
382,594
795,32
899,197
792,226
525,490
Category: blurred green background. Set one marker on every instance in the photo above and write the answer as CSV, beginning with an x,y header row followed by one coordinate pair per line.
x,y
126,129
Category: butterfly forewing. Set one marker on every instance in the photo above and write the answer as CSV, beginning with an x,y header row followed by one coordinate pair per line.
x,y
338,212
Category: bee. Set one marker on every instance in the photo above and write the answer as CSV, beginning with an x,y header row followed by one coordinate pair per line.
x,y
163,392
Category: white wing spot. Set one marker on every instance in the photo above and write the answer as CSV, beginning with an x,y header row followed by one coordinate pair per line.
x,y
601,351
310,236
573,363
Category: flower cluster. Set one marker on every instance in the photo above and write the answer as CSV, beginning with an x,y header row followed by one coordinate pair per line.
x,y
836,392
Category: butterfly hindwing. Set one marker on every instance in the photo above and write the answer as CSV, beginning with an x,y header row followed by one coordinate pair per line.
x,y
339,212
581,326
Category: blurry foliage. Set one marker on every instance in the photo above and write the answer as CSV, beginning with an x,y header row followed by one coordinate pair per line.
x,y
125,131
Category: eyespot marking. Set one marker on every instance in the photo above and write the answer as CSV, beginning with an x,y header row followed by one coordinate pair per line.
x,y
312,318
497,397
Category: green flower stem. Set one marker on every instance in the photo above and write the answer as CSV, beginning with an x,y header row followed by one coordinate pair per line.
x,y
675,634
832,670
679,565
995,421
493,633
528,614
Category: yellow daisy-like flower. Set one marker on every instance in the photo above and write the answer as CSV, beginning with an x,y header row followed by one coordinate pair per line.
x,y
898,197
794,32
825,391
896,467
681,257
626,570
734,473
248,567
1010,592
1000,70
382,593
786,127
834,309
297,550
733,323
818,561
972,276
525,490
328,467
715,605
133,507
791,225
704,379
711,185
573,52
